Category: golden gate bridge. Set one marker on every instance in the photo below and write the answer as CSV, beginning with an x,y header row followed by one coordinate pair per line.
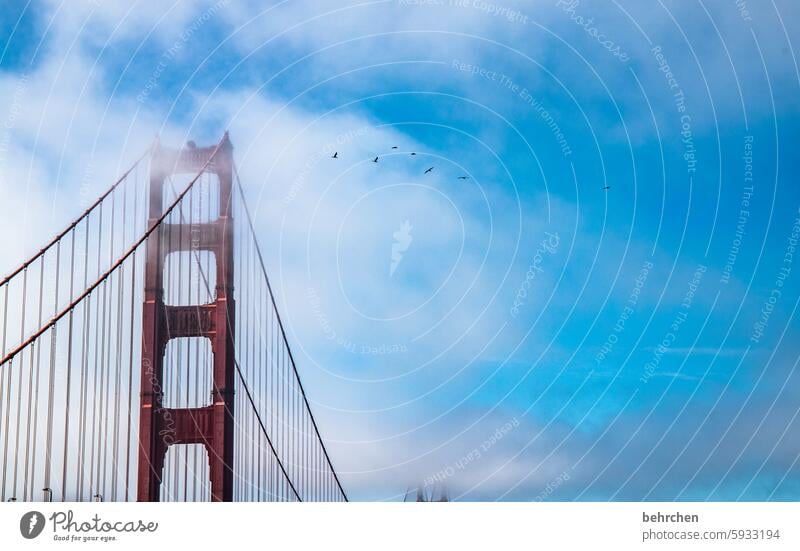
x,y
143,355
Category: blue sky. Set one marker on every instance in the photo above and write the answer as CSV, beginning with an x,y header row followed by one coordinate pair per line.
x,y
415,373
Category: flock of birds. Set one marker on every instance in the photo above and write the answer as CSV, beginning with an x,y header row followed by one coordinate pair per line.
x,y
375,160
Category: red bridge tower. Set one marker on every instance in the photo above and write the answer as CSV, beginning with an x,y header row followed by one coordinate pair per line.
x,y
212,425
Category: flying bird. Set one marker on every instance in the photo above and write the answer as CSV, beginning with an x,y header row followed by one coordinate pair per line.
x,y
375,160
463,177
335,155
394,147
413,153
430,169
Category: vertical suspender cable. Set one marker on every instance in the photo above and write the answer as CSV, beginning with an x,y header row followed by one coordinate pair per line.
x,y
130,343
286,342
96,346
19,379
84,368
108,295
51,378
69,370
33,396
3,388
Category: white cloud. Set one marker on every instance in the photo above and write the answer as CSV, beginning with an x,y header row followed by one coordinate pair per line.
x,y
328,224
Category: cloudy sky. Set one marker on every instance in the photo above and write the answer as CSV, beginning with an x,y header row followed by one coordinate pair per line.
x,y
521,333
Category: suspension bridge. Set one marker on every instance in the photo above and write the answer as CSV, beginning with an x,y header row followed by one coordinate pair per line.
x,y
143,355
